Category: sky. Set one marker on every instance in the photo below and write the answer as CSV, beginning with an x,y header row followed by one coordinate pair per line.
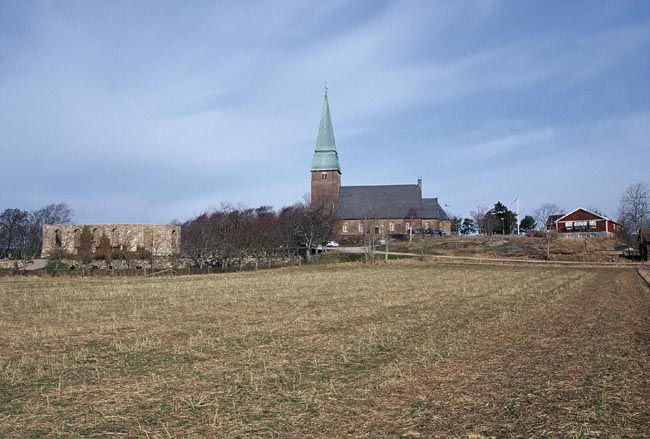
x,y
152,111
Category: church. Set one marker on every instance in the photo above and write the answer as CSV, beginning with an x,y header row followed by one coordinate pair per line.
x,y
384,210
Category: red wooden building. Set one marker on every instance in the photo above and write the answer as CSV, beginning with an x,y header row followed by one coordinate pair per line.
x,y
582,222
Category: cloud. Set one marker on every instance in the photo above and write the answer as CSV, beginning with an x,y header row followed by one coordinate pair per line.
x,y
116,106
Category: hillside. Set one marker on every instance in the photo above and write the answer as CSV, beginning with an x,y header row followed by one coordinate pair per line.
x,y
593,249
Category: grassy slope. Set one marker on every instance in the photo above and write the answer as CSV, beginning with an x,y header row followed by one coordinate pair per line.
x,y
404,350
593,249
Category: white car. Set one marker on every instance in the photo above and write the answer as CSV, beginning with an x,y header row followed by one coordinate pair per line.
x,y
332,244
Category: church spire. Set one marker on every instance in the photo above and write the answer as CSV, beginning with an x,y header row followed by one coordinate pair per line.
x,y
325,156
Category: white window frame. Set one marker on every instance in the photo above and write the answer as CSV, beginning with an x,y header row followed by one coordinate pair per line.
x,y
345,228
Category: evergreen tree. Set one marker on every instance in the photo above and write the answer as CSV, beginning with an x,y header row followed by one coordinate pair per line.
x,y
504,220
527,224
468,227
86,245
104,250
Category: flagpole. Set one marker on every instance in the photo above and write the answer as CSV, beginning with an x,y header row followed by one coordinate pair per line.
x,y
516,200
518,219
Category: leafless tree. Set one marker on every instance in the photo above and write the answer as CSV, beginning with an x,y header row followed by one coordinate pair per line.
x,y
542,213
634,208
478,216
14,224
485,220
56,213
230,235
314,226
371,233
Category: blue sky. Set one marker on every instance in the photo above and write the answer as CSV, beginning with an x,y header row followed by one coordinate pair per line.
x,y
148,111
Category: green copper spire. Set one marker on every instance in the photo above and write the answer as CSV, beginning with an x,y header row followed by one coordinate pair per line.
x,y
325,156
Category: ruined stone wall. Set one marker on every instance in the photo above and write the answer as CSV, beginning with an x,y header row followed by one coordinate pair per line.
x,y
159,239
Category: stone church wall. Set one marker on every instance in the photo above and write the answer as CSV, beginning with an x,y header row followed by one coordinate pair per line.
x,y
159,239
387,227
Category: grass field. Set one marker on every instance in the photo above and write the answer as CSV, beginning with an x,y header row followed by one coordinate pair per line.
x,y
399,350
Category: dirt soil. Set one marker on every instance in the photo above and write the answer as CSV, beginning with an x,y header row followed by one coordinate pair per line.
x,y
407,349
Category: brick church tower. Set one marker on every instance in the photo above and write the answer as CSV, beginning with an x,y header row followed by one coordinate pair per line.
x,y
325,168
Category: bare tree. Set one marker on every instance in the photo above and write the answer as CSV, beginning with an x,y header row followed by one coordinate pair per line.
x,y
542,213
314,226
14,224
372,230
478,216
56,213
634,208
486,220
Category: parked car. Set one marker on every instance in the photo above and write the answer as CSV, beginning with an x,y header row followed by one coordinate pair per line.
x,y
332,244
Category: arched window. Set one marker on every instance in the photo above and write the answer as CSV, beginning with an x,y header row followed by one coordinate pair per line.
x,y
174,240
77,238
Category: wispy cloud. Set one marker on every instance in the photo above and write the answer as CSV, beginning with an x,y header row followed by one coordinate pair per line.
x,y
115,106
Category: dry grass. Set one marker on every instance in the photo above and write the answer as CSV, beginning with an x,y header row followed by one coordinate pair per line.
x,y
592,249
403,350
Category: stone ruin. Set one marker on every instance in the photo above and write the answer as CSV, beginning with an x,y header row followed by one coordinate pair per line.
x,y
159,239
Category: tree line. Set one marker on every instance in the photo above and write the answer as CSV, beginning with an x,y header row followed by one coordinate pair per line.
x,y
633,215
21,231
498,220
228,234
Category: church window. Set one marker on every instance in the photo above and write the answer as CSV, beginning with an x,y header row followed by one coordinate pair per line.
x,y
345,228
323,176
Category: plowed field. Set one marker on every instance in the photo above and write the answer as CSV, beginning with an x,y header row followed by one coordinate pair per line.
x,y
397,350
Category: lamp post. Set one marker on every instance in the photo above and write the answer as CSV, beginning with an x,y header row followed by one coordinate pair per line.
x,y
503,223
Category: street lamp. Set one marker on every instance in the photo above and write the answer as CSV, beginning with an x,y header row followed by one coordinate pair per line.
x,y
503,223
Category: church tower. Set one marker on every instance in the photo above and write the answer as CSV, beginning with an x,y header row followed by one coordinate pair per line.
x,y
325,168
